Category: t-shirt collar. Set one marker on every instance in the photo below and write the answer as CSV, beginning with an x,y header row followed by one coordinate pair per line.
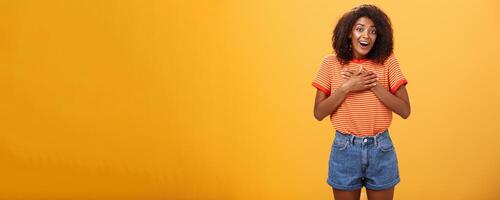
x,y
359,60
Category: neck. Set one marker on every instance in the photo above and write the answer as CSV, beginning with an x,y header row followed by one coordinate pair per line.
x,y
357,56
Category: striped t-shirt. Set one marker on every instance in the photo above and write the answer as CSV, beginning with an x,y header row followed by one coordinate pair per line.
x,y
361,113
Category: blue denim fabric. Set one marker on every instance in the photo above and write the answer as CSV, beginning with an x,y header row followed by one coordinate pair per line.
x,y
368,161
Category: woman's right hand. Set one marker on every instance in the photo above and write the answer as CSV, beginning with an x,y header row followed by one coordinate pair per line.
x,y
359,80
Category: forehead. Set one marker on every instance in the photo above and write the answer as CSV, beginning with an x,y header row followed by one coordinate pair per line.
x,y
364,21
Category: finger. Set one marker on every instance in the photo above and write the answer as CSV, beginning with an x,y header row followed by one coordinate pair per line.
x,y
370,81
349,72
370,77
369,86
368,73
361,69
358,72
346,73
345,77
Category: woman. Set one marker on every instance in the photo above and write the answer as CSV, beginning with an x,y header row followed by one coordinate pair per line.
x,y
359,86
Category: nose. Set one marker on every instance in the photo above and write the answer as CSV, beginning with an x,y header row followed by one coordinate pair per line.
x,y
365,34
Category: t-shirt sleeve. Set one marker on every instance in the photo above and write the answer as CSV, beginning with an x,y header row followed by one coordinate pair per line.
x,y
396,77
323,76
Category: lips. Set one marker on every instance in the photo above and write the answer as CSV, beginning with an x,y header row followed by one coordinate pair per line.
x,y
364,44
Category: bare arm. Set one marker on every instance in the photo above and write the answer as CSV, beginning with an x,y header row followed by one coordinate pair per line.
x,y
399,103
325,105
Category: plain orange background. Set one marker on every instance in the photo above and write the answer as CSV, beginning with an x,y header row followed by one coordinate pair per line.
x,y
213,99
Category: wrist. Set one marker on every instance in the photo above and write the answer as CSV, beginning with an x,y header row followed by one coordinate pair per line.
x,y
376,87
344,89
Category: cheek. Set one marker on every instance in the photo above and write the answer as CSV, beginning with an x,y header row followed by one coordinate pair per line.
x,y
354,38
353,42
354,35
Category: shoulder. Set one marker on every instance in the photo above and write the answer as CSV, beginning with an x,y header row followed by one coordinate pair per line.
x,y
391,60
331,59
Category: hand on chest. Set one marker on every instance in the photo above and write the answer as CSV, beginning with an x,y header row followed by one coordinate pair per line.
x,y
358,68
380,70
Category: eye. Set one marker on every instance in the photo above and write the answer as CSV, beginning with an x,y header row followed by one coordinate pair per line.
x,y
360,29
373,31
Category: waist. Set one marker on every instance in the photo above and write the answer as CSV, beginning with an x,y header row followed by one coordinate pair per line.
x,y
362,139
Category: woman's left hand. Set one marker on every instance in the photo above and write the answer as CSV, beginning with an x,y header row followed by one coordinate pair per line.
x,y
369,75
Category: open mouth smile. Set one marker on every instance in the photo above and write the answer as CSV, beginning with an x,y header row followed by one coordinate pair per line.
x,y
364,44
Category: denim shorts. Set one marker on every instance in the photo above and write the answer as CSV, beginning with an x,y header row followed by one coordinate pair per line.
x,y
357,161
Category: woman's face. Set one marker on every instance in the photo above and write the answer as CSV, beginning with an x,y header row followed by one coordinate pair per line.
x,y
363,37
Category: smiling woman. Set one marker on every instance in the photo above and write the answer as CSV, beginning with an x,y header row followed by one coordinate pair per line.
x,y
359,87
155,99
364,24
363,36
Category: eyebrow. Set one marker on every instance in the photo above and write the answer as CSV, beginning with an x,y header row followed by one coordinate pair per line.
x,y
364,25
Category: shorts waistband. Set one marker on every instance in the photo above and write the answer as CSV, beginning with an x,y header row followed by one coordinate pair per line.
x,y
362,139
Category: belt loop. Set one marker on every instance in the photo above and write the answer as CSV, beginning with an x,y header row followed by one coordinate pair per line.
x,y
376,139
377,136
351,139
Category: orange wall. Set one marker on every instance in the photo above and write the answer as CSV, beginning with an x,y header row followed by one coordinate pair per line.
x,y
212,99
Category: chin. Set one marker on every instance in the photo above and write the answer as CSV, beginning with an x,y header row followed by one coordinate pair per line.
x,y
363,52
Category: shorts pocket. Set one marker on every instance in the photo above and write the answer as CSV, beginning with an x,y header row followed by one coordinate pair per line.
x,y
340,145
386,145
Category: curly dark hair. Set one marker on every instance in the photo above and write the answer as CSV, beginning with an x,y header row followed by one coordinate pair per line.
x,y
383,46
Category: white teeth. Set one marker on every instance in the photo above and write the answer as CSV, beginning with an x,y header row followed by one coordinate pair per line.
x,y
364,42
